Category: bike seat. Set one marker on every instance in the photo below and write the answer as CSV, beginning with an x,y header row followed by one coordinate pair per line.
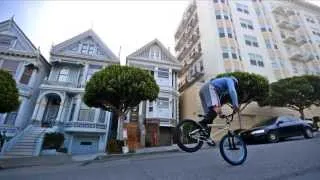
x,y
201,115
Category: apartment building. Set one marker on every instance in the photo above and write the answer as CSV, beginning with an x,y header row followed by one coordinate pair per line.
x,y
276,39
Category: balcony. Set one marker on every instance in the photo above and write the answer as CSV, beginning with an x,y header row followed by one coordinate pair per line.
x,y
283,11
299,55
85,127
286,24
167,122
290,39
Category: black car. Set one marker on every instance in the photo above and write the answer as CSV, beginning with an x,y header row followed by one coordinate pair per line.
x,y
277,128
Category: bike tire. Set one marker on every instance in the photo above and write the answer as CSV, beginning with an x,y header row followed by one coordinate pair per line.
x,y
223,150
181,144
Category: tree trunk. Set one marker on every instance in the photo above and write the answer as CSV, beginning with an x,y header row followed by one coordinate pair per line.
x,y
301,113
142,113
240,122
120,127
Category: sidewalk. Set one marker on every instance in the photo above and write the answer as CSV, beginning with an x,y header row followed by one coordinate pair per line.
x,y
54,160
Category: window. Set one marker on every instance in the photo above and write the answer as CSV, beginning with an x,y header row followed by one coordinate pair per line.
x,y
263,29
155,52
91,48
11,118
215,1
92,69
26,75
256,60
10,66
163,103
102,116
294,68
234,56
201,66
225,55
72,112
260,63
268,44
246,24
251,41
86,143
84,48
85,113
242,8
163,73
63,75
4,42
150,107
275,46
229,32
221,32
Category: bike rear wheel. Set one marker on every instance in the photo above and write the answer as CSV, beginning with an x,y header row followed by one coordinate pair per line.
x,y
233,149
188,134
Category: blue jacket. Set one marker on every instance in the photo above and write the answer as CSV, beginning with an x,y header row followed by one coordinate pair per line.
x,y
224,86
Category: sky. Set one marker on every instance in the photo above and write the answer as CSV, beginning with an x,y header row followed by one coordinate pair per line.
x,y
129,24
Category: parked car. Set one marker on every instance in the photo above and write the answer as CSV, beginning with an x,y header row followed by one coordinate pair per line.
x,y
277,128
312,123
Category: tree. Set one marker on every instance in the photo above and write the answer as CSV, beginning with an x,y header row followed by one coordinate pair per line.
x,y
9,94
296,93
252,88
119,89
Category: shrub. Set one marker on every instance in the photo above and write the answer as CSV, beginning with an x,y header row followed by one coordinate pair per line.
x,y
53,140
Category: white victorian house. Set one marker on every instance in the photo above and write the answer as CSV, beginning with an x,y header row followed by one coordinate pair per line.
x,y
59,106
157,118
28,67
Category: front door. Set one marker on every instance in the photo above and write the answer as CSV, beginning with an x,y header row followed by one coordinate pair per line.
x,y
51,112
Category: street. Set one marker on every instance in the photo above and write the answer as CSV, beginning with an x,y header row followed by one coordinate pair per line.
x,y
293,159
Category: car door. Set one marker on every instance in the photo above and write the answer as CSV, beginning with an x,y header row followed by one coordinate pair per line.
x,y
296,127
284,127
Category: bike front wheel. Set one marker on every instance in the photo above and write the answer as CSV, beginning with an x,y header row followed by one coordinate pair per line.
x,y
188,134
233,149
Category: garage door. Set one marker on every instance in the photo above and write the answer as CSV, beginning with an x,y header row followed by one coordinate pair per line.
x,y
84,145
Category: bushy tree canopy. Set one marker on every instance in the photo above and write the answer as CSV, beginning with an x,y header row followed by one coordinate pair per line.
x,y
119,88
297,93
9,94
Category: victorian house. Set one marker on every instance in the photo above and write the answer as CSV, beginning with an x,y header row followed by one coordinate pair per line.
x,y
156,120
59,106
28,67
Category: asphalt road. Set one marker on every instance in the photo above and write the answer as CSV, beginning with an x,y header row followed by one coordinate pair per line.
x,y
294,159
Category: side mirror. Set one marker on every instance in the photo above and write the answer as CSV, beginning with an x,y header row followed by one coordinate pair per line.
x,y
279,122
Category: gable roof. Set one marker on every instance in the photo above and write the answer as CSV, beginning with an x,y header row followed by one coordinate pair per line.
x,y
88,33
172,59
35,50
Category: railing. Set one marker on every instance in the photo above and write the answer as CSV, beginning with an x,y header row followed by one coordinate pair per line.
x,y
59,83
8,145
84,125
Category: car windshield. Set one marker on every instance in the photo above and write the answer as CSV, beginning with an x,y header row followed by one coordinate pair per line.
x,y
266,122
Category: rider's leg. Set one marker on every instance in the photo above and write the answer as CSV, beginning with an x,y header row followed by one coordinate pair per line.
x,y
209,117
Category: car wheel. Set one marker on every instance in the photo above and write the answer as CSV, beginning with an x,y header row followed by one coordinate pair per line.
x,y
273,137
308,133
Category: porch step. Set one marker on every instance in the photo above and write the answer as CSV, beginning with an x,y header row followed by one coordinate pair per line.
x,y
26,145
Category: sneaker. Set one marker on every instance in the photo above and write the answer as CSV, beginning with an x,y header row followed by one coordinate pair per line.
x,y
211,142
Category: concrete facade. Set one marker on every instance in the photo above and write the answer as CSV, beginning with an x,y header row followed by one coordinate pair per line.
x,y
276,39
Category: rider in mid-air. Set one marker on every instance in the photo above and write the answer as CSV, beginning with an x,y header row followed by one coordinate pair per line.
x,y
211,94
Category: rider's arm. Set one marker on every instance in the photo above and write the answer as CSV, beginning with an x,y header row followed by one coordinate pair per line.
x,y
232,93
